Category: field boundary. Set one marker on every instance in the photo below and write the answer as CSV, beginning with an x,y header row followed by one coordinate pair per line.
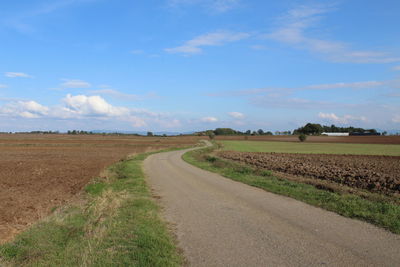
x,y
381,213
116,222
312,148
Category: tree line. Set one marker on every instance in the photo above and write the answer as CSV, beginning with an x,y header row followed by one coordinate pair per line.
x,y
317,129
230,131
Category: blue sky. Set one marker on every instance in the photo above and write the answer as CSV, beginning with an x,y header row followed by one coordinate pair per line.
x,y
182,65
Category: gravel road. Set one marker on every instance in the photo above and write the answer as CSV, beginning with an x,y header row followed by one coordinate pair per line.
x,y
220,222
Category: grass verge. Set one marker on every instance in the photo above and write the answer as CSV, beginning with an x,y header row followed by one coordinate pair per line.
x,y
381,213
117,224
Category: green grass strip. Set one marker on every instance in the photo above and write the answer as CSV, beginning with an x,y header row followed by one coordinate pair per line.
x,y
312,148
381,213
118,225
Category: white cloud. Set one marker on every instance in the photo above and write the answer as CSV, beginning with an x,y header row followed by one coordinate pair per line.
x,y
17,75
3,86
116,94
396,119
92,106
293,31
224,5
332,117
75,108
25,109
236,115
20,21
274,92
396,68
219,6
353,85
195,45
75,84
107,90
209,119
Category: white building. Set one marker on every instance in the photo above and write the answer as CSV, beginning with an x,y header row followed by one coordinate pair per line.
x,y
336,134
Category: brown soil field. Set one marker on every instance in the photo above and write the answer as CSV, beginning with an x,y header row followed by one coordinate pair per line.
x,y
380,174
319,139
40,172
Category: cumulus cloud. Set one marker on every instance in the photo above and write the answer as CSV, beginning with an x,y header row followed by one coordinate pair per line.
x,y
25,109
236,115
209,119
194,46
92,106
332,117
17,75
75,84
293,31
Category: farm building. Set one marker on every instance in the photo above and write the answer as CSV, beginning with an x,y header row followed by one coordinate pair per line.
x,y
336,134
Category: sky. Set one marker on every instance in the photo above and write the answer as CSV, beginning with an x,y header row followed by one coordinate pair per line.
x,y
188,65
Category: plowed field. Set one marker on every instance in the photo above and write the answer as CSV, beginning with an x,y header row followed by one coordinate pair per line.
x,y
374,173
38,173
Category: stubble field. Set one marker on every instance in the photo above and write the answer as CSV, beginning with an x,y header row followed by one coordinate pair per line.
x,y
41,172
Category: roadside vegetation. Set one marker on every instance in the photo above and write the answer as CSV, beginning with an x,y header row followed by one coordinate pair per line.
x,y
312,148
380,210
115,222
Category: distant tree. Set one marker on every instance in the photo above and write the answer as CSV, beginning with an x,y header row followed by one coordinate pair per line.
x,y
302,137
224,131
260,132
384,133
269,133
310,129
150,134
248,132
211,136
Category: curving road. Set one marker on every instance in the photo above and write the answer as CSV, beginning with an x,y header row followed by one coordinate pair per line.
x,y
219,222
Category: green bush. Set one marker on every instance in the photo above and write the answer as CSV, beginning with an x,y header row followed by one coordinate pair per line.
x,y
210,158
302,137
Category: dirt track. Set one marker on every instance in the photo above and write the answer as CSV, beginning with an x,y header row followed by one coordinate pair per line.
x,y
220,222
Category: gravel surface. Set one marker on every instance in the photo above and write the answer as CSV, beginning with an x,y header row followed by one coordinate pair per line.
x,y
220,222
